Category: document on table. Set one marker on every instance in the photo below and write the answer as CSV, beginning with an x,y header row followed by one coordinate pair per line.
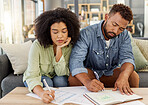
x,y
109,97
133,103
68,95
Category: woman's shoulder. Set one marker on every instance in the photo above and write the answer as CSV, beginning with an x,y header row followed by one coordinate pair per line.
x,y
37,44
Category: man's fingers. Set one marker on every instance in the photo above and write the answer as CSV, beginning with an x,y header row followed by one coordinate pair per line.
x,y
125,90
121,90
100,84
96,88
129,91
115,88
96,85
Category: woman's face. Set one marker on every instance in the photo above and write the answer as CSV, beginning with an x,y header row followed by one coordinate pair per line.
x,y
59,33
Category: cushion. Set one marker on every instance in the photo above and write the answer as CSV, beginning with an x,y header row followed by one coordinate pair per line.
x,y
143,46
140,60
18,55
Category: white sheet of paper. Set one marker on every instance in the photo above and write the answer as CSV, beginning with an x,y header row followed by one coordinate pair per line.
x,y
110,97
68,95
133,103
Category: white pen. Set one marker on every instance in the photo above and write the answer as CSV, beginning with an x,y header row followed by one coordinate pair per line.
x,y
46,85
97,77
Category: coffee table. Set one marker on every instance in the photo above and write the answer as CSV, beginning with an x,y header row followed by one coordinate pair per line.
x,y
18,97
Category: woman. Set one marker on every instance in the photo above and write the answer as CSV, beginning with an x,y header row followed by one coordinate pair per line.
x,y
57,30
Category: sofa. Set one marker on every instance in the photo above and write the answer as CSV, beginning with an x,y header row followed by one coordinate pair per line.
x,y
9,80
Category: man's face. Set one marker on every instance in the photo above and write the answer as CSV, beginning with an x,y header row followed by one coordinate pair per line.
x,y
114,25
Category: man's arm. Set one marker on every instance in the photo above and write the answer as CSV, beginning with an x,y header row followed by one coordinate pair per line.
x,y
78,55
92,85
122,82
126,60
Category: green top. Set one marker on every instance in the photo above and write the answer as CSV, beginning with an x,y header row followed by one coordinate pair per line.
x,y
41,62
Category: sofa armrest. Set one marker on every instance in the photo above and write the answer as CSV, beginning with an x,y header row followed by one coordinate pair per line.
x,y
141,38
5,67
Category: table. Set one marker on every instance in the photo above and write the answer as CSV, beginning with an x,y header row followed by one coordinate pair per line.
x,y
18,97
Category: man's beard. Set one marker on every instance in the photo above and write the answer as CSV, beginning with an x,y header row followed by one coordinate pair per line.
x,y
107,33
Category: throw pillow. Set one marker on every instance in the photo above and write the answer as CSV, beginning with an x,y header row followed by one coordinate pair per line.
x,y
18,55
143,46
140,61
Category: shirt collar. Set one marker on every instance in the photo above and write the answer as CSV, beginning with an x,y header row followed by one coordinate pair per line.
x,y
99,30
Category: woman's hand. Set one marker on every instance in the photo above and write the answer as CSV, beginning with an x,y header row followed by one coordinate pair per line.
x,y
47,96
59,49
66,43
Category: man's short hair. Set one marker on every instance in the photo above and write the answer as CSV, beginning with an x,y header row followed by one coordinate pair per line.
x,y
124,11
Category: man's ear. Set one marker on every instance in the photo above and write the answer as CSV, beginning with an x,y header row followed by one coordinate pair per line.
x,y
106,16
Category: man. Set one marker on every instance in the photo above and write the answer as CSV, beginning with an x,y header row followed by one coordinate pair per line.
x,y
105,49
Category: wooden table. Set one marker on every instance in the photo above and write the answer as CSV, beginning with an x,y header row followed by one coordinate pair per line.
x,y
18,97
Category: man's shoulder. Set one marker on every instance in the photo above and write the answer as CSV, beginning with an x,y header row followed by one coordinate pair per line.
x,y
124,36
91,27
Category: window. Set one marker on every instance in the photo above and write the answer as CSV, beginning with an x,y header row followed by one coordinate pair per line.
x,y
87,16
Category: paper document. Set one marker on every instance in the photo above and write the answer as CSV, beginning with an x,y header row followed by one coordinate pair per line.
x,y
109,97
133,103
68,95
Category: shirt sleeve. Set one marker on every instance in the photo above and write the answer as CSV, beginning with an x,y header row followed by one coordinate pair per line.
x,y
32,75
62,66
125,52
79,53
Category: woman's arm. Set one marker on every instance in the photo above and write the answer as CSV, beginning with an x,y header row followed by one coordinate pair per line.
x,y
61,59
45,95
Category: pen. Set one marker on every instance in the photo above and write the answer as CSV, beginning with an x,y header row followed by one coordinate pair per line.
x,y
97,77
46,85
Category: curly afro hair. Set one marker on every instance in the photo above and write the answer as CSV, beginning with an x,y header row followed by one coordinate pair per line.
x,y
46,19
124,11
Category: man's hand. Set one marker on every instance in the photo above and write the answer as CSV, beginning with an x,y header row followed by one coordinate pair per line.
x,y
47,96
123,85
122,82
94,85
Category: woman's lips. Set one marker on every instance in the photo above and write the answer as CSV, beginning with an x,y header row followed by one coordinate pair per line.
x,y
59,41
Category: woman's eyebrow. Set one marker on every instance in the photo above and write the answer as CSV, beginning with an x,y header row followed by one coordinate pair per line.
x,y
54,29
64,28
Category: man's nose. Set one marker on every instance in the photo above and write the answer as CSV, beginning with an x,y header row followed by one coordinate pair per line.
x,y
116,29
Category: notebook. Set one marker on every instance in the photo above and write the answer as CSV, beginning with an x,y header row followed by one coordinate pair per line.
x,y
108,97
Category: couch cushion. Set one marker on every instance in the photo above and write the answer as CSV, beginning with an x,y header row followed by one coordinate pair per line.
x,y
140,60
10,82
143,46
18,55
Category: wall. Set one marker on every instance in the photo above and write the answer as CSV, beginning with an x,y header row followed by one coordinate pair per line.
x,y
146,18
51,4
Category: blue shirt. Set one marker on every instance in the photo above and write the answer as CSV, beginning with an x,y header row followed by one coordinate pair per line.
x,y
91,52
